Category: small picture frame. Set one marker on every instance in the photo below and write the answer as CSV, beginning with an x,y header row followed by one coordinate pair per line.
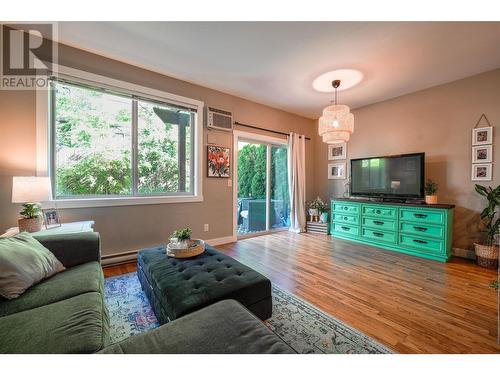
x,y
481,172
482,154
482,136
51,218
337,171
218,161
337,151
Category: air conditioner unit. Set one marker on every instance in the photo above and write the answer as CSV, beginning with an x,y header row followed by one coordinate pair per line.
x,y
219,119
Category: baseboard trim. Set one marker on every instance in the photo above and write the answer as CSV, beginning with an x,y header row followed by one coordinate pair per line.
x,y
464,253
221,240
128,256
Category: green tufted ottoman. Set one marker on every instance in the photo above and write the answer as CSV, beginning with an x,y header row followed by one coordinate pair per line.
x,y
176,287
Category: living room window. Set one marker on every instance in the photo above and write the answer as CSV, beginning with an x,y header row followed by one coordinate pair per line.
x,y
113,146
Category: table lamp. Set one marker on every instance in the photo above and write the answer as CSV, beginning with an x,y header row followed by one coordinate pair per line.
x,y
31,191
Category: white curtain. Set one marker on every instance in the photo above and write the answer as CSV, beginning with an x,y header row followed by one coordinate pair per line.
x,y
297,182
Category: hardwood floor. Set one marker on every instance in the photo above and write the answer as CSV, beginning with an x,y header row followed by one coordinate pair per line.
x,y
412,305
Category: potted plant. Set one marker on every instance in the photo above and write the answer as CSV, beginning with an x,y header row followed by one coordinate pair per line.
x,y
430,192
317,207
182,237
487,252
31,220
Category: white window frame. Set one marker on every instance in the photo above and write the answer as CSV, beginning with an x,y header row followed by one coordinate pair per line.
x,y
43,139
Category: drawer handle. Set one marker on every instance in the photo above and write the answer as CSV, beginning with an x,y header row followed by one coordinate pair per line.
x,y
377,212
420,229
346,228
420,241
420,216
346,208
378,234
346,218
376,222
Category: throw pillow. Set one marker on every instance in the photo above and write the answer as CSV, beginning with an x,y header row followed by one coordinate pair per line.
x,y
24,262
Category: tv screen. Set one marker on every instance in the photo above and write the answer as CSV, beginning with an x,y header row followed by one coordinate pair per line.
x,y
388,176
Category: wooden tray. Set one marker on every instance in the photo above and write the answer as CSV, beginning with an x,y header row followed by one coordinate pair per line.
x,y
196,247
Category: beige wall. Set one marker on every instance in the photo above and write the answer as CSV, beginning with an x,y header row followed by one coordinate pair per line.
x,y
437,121
132,227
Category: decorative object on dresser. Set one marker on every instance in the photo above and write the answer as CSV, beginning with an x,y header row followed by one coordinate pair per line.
x,y
30,191
337,151
51,218
218,161
424,231
337,171
430,192
482,151
487,252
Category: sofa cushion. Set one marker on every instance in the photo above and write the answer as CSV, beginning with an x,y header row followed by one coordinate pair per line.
x,y
225,327
77,280
23,262
177,287
75,325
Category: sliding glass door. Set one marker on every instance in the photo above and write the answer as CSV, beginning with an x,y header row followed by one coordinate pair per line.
x,y
262,187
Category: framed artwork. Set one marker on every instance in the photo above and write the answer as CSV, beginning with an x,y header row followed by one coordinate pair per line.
x,y
482,136
218,161
482,154
337,151
481,172
51,218
337,171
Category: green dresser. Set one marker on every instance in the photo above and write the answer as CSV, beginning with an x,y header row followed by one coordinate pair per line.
x,y
420,230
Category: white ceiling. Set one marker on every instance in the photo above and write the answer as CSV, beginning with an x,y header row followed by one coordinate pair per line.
x,y
275,63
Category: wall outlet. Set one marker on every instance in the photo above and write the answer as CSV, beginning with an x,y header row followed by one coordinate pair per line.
x,y
205,227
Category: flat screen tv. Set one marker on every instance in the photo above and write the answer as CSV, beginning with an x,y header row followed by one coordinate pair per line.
x,y
393,177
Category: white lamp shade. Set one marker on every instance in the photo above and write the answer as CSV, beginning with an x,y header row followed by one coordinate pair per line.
x,y
336,137
31,189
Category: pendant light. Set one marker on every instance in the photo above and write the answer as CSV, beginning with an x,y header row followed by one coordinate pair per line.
x,y
337,123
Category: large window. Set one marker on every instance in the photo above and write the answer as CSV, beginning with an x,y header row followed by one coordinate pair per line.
x,y
116,144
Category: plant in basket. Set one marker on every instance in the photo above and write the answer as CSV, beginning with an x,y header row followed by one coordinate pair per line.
x,y
182,237
487,251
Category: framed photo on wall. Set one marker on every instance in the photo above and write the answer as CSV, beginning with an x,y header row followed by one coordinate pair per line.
x,y
482,136
482,154
218,162
337,171
337,151
481,172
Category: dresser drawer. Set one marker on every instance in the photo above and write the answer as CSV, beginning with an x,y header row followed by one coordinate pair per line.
x,y
422,230
347,208
346,229
380,211
423,244
383,224
347,219
422,216
378,235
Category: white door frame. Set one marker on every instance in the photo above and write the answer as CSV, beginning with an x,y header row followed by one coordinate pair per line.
x,y
242,135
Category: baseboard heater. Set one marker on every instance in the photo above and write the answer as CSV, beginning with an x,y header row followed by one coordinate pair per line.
x,y
119,258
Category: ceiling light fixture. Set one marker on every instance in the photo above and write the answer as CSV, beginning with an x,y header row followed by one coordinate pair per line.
x,y
337,123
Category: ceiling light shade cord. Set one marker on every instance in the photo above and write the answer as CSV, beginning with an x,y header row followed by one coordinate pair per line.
x,y
337,123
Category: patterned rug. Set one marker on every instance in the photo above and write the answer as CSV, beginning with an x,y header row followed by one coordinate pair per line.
x,y
302,326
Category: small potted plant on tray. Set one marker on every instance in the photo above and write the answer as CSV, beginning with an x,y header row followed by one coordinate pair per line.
x,y
31,220
487,251
182,237
430,192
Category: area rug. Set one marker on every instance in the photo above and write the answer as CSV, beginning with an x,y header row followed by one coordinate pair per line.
x,y
302,326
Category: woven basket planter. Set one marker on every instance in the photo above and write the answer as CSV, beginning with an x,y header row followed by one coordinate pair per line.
x,y
486,255
30,225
